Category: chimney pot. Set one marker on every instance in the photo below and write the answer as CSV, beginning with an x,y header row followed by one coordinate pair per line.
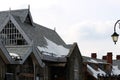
x,y
109,57
93,55
118,57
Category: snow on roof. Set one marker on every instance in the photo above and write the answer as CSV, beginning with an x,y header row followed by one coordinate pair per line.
x,y
14,55
94,61
53,49
115,70
96,72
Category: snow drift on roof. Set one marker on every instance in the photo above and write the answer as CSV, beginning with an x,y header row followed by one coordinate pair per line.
x,y
115,70
96,72
94,61
14,55
53,49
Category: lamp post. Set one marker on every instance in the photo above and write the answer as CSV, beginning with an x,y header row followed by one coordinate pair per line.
x,y
115,35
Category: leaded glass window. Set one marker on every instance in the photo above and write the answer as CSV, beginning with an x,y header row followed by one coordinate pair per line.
x,y
11,36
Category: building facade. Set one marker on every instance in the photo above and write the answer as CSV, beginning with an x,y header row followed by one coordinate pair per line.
x,y
29,51
101,69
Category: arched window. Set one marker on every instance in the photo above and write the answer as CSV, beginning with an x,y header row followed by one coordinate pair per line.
x,y
11,36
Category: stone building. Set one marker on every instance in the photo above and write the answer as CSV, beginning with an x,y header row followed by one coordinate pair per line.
x,y
29,51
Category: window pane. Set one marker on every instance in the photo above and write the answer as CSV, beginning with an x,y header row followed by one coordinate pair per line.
x,y
11,35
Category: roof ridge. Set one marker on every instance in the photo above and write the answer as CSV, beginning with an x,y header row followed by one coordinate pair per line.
x,y
13,10
42,26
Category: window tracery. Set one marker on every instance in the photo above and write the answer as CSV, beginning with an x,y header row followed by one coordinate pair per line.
x,y
11,36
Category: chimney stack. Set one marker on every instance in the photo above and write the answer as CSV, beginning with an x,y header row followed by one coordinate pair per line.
x,y
118,57
109,57
93,55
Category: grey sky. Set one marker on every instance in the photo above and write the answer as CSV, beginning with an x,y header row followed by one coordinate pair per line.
x,y
87,22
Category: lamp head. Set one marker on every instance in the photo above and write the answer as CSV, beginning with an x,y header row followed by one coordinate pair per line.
x,y
115,37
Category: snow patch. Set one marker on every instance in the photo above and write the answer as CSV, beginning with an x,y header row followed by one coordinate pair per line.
x,y
14,55
96,72
94,61
115,70
53,49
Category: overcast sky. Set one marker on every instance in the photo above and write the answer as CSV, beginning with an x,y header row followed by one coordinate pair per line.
x,y
87,22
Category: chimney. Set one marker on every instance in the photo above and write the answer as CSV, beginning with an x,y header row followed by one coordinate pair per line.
x,y
93,55
118,57
109,57
104,57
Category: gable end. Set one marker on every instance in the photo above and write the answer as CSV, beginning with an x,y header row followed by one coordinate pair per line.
x,y
28,19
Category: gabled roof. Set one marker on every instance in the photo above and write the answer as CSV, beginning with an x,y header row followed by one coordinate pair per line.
x,y
115,67
94,72
21,13
29,18
24,52
35,33
72,48
95,67
12,18
92,60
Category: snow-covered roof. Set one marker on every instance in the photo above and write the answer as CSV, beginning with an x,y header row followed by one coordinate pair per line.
x,y
14,55
53,49
115,70
96,72
94,61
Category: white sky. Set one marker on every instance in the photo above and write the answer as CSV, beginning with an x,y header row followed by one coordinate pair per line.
x,y
87,22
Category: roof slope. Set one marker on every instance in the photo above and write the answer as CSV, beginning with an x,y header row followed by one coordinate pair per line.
x,y
95,66
20,51
21,13
36,33
92,60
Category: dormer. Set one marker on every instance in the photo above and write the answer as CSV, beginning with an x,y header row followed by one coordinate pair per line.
x,y
28,18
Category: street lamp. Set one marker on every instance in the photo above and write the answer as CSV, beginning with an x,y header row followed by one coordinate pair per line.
x,y
115,35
